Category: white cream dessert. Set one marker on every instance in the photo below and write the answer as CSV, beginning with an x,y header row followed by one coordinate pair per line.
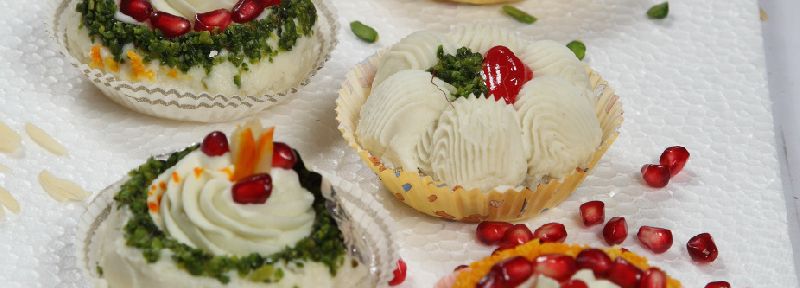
x,y
449,120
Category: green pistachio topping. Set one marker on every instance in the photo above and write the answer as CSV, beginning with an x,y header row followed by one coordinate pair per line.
x,y
364,32
578,48
462,70
659,11
519,15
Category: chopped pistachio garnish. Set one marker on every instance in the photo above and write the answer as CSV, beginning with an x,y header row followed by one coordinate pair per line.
x,y
519,15
578,48
659,11
462,70
364,32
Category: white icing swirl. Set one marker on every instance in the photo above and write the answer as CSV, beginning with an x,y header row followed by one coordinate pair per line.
x,y
481,37
550,58
417,51
189,8
197,209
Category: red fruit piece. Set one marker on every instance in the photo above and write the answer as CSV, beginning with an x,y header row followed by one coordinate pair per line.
x,y
574,284
399,273
254,189
702,248
718,284
656,239
653,278
551,233
656,176
624,274
247,10
170,25
215,144
216,20
593,212
516,235
492,280
504,73
558,267
283,156
137,9
615,231
269,3
674,158
490,232
514,271
596,260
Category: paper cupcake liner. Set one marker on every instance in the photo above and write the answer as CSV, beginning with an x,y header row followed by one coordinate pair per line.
x,y
190,105
367,232
438,199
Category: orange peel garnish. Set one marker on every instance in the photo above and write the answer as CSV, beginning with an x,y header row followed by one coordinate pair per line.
x,y
252,149
97,57
138,68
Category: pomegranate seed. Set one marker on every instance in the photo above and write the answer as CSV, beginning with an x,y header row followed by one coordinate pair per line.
x,y
656,239
492,280
137,9
558,267
656,176
675,158
247,10
269,3
253,189
551,233
283,156
399,273
593,212
615,231
516,235
718,284
624,274
514,271
215,144
702,248
594,259
574,284
653,278
490,232
170,25
216,20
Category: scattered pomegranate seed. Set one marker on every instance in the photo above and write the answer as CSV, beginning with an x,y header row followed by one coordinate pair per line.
x,y
674,158
170,25
574,284
269,3
702,248
253,189
624,274
593,212
594,259
491,232
514,271
558,267
718,284
399,273
551,233
247,10
655,175
615,231
656,239
653,278
137,9
283,156
216,20
516,235
215,144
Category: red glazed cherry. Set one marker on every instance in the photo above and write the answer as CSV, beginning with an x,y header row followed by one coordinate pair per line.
x,y
615,231
253,189
702,248
593,212
516,235
551,233
269,3
246,10
624,274
558,267
658,240
674,158
170,25
137,9
574,284
504,74
215,144
514,271
216,20
399,273
490,232
718,284
283,156
656,176
596,260
653,278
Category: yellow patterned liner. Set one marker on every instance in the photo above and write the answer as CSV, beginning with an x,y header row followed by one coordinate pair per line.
x,y
531,250
438,199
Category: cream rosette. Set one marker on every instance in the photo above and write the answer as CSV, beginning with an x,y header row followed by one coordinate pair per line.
x,y
189,96
474,158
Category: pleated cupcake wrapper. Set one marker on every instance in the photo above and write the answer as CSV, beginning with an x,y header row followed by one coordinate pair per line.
x,y
190,105
367,231
437,199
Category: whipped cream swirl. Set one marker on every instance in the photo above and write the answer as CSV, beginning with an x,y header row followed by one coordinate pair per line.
x,y
189,8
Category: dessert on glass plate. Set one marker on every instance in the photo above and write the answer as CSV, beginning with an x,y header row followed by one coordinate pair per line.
x,y
199,60
213,215
478,123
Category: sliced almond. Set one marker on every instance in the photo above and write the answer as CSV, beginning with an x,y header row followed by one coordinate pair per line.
x,y
61,189
8,200
45,140
9,140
